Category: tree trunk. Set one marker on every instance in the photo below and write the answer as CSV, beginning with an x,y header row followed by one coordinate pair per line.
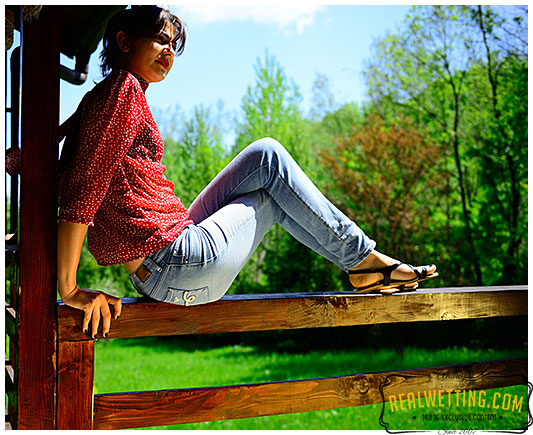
x,y
509,267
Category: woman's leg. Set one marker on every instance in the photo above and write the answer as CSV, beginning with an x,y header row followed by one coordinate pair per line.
x,y
306,213
262,186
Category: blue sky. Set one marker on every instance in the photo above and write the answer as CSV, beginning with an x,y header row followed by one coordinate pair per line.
x,y
224,42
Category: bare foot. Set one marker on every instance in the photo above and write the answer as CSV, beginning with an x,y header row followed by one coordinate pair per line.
x,y
377,260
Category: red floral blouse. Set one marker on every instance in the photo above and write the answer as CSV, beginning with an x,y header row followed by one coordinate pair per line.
x,y
114,179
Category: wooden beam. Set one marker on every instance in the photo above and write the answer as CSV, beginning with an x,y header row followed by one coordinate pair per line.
x,y
236,313
191,405
36,308
75,381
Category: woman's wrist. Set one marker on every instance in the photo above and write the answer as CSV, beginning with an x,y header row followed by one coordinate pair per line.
x,y
67,290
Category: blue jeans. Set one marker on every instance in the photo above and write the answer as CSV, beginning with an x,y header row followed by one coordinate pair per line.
x,y
262,186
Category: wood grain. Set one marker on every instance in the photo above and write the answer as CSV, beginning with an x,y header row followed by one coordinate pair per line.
x,y
236,313
157,408
36,308
75,380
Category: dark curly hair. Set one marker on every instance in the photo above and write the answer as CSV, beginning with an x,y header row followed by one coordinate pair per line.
x,y
138,22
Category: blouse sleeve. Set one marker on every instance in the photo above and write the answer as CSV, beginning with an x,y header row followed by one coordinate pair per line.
x,y
107,130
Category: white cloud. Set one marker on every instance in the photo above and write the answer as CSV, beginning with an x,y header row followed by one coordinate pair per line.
x,y
283,16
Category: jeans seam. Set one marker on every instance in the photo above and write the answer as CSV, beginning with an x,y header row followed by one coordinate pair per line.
x,y
330,231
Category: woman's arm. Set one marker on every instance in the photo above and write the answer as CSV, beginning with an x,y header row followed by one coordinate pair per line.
x,y
94,304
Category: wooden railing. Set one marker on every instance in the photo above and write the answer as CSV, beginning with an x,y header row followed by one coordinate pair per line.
x,y
141,317
237,313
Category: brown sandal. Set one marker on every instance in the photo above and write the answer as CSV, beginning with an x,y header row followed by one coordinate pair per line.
x,y
387,283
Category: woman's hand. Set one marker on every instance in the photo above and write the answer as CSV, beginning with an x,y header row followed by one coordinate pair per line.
x,y
95,306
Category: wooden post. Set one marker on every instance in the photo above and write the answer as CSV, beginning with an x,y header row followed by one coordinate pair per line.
x,y
36,313
75,380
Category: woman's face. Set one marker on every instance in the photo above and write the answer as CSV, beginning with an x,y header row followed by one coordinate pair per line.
x,y
150,57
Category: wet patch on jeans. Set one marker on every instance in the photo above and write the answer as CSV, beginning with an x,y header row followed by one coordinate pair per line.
x,y
187,297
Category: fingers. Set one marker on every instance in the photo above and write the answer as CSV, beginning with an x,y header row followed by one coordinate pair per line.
x,y
100,311
96,320
106,316
106,313
117,304
86,319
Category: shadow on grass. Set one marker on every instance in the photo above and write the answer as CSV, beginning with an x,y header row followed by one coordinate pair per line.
x,y
324,352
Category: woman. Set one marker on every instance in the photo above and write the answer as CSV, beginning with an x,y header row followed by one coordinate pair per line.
x,y
113,188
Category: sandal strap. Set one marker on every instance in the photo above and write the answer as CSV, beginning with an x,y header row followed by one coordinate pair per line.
x,y
419,275
385,271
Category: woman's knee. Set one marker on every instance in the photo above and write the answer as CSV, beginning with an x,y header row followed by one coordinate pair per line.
x,y
268,144
270,147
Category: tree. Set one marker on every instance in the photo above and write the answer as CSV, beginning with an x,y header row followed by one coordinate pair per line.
x,y
501,50
382,173
422,70
323,99
431,70
271,108
196,156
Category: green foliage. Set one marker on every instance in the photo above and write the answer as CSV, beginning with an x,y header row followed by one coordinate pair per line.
x,y
382,174
270,109
499,149
196,156
460,72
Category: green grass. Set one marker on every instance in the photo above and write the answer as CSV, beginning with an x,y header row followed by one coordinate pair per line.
x,y
153,364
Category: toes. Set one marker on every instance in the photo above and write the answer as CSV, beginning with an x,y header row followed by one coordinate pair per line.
x,y
427,270
419,272
431,269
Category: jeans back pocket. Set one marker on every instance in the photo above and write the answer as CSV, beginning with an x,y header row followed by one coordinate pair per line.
x,y
187,297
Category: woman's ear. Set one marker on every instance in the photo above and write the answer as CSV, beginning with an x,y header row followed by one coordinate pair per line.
x,y
123,41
